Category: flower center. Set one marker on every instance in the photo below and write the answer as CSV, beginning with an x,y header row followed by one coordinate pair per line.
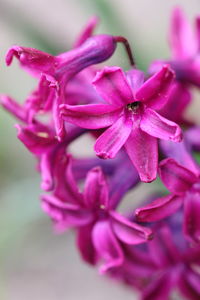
x,y
134,106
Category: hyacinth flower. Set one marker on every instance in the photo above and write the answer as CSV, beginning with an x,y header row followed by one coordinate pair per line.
x,y
130,114
163,265
101,230
56,71
184,44
184,186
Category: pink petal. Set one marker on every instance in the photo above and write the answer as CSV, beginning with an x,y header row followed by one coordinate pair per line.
x,y
107,246
181,37
198,31
87,31
143,152
157,126
17,110
31,59
113,86
159,209
191,216
154,92
91,116
85,244
128,232
176,178
135,78
189,284
111,141
36,138
96,189
65,214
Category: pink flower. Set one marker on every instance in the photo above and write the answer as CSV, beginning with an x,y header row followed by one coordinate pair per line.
x,y
184,186
130,114
101,230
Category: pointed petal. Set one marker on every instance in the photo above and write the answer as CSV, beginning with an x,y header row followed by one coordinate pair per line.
x,y
31,59
181,37
96,189
107,246
143,152
111,141
157,126
128,232
91,116
191,216
175,177
14,108
85,244
113,86
159,209
87,31
181,153
135,78
155,91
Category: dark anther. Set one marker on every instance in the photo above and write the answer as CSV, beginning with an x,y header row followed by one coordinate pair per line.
x,y
133,105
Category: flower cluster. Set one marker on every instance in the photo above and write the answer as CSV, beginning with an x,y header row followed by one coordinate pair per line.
x,y
140,133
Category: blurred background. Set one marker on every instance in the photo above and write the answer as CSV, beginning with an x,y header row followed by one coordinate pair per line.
x,y
36,263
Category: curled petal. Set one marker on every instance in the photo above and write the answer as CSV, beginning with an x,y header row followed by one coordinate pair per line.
x,y
159,209
111,141
157,126
36,138
96,189
143,152
191,216
155,91
176,178
92,116
31,59
181,37
128,232
107,246
113,86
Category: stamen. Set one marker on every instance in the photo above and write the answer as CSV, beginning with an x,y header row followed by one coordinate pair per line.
x,y
133,106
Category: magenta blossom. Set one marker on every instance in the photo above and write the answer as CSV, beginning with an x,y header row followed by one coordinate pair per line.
x,y
184,186
101,230
129,112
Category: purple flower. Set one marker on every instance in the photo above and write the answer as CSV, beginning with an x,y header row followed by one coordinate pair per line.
x,y
184,186
184,45
101,230
161,266
129,112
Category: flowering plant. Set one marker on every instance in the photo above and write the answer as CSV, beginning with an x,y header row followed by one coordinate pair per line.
x,y
141,133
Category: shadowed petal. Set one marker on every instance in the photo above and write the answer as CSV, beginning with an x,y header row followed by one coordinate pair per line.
x,y
189,284
92,116
111,141
157,126
155,91
191,216
107,246
159,208
176,178
128,232
135,78
181,37
143,152
96,189
85,244
113,86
